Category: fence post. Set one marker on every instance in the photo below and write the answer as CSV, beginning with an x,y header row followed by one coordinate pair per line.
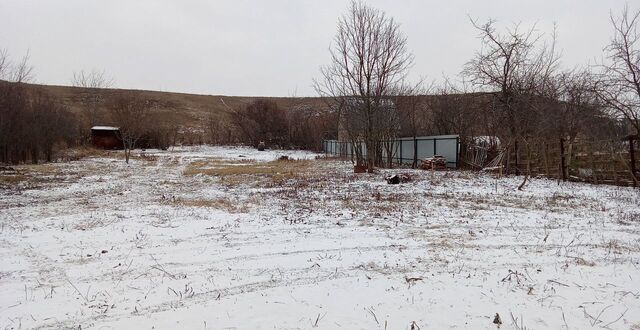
x,y
457,152
517,157
563,172
632,155
592,163
435,144
414,147
546,159
615,166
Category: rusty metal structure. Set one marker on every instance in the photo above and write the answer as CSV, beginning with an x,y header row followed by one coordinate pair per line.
x,y
106,137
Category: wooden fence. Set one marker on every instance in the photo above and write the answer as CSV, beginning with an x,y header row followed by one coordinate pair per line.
x,y
600,162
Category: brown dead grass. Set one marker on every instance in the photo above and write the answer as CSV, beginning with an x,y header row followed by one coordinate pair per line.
x,y
268,174
219,203
74,154
48,169
12,179
32,175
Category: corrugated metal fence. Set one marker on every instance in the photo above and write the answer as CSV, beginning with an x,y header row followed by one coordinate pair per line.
x,y
402,149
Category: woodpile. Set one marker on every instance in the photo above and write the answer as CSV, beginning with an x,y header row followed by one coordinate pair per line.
x,y
360,169
436,163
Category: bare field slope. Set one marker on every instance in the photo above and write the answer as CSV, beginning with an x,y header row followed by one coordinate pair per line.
x,y
183,109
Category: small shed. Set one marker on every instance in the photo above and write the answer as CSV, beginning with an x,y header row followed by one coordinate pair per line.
x,y
106,137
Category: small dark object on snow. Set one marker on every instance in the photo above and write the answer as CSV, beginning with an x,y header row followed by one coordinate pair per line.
x,y
261,146
283,158
398,178
393,179
104,251
497,320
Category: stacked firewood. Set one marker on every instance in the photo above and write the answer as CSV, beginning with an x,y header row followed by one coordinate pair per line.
x,y
436,163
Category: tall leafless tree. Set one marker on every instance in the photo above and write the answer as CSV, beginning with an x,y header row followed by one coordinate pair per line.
x,y
620,87
369,60
516,66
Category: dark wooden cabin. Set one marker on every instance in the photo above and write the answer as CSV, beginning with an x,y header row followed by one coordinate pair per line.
x,y
106,137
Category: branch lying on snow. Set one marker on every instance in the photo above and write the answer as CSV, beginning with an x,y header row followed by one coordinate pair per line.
x,y
315,324
596,320
515,322
616,320
160,268
556,282
85,297
370,310
412,280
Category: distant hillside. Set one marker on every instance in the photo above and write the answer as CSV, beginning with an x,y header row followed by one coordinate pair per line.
x,y
187,110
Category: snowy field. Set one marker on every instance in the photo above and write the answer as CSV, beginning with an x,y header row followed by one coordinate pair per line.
x,y
228,238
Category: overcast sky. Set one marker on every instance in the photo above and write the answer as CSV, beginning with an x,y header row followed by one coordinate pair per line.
x,y
264,48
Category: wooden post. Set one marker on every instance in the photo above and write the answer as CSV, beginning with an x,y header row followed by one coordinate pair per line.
x,y
594,176
433,169
633,161
507,167
615,166
563,172
517,150
546,159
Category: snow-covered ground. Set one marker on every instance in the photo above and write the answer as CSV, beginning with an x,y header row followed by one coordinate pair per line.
x,y
179,240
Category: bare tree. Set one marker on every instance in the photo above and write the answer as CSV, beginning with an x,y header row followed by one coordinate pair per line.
x,y
22,71
515,66
218,127
130,112
4,63
369,60
93,81
261,120
620,86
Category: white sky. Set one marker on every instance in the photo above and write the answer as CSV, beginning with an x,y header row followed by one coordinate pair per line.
x,y
264,48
